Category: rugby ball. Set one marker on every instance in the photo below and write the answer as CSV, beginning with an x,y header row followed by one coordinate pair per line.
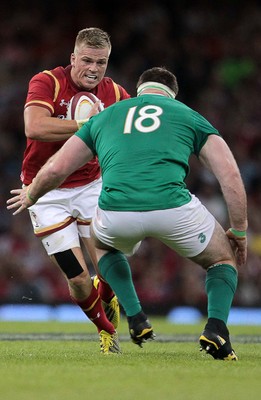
x,y
81,104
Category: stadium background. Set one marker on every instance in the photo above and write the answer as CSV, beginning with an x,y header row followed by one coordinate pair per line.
x,y
214,48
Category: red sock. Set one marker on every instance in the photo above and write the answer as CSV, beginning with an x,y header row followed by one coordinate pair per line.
x,y
92,308
105,291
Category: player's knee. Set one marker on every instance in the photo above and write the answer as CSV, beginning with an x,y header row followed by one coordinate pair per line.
x,y
69,265
80,280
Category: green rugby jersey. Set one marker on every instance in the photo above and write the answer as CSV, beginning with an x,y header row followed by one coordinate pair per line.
x,y
143,146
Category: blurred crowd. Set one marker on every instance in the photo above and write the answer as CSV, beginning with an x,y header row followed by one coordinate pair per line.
x,y
214,48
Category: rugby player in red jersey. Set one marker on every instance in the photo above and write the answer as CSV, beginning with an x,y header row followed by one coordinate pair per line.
x,y
62,217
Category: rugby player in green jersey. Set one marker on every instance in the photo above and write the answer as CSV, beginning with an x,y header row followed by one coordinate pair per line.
x,y
144,145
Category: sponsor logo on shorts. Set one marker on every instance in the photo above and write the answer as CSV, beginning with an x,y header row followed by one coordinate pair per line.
x,y
202,237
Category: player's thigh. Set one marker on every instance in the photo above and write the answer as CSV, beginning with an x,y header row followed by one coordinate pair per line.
x,y
187,229
83,205
55,226
89,245
51,213
119,230
218,250
61,240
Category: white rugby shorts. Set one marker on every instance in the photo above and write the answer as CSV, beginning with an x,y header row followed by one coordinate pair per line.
x,y
61,216
186,229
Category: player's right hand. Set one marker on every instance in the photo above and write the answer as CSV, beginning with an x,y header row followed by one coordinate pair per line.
x,y
19,200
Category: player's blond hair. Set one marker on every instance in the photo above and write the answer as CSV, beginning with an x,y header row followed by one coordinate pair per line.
x,y
93,37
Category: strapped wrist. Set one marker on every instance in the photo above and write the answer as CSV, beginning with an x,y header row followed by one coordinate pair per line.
x,y
239,234
31,198
81,122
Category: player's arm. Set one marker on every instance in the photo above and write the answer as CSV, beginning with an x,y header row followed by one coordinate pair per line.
x,y
38,113
40,125
71,156
218,158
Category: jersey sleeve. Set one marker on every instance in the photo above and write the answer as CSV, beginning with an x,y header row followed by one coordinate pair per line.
x,y
41,92
203,129
85,135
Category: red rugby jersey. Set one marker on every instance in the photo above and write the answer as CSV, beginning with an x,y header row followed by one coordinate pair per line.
x,y
53,90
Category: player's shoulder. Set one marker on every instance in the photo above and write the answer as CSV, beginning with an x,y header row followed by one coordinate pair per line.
x,y
180,107
50,74
107,80
109,85
58,72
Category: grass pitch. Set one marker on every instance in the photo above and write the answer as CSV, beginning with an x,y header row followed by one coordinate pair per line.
x,y
61,361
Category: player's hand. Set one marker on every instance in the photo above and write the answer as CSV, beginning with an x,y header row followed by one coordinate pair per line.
x,y
95,109
239,246
20,200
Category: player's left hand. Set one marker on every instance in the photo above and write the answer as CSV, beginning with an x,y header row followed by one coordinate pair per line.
x,y
93,111
239,246
19,200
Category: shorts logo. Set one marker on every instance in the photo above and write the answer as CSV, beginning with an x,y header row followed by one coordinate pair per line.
x,y
202,237
34,219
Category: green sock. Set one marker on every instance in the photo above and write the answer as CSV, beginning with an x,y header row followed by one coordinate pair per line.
x,y
221,283
115,269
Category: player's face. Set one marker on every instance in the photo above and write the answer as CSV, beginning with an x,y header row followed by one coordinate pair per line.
x,y
89,66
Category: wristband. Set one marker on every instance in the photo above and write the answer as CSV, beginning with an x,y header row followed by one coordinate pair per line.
x,y
81,122
32,199
239,234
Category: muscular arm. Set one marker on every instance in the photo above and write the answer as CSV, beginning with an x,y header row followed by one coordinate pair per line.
x,y
217,157
40,125
69,158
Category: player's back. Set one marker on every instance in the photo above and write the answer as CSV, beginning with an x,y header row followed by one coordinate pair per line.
x,y
144,145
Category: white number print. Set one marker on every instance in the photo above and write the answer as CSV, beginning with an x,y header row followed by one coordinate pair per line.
x,y
143,115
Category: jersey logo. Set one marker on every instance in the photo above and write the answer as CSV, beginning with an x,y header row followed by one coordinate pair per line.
x,y
64,103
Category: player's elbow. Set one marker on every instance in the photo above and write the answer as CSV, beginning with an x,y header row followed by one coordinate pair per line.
x,y
57,167
33,130
55,175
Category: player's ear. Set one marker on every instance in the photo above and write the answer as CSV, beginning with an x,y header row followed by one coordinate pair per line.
x,y
72,59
